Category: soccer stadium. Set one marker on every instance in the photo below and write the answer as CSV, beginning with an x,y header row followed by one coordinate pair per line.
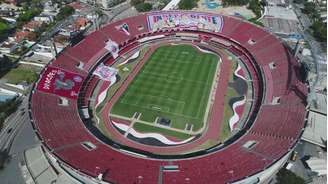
x,y
171,97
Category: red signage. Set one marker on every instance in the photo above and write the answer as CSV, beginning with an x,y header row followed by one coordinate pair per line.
x,y
60,82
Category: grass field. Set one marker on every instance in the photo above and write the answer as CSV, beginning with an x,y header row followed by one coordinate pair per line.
x,y
21,74
174,83
123,75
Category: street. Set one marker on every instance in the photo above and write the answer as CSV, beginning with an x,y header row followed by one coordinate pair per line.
x,y
16,136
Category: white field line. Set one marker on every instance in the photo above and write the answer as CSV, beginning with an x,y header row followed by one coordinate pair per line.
x,y
157,136
206,115
212,93
155,125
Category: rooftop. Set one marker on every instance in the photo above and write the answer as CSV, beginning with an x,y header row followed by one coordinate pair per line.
x,y
315,131
280,12
32,25
281,25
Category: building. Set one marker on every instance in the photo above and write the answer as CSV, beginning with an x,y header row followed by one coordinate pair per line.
x,y
110,3
81,23
281,26
15,2
46,49
260,150
281,20
50,9
8,10
24,35
32,26
8,47
315,131
44,18
78,7
69,31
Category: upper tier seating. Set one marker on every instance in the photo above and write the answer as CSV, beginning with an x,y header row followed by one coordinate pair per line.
x,y
89,50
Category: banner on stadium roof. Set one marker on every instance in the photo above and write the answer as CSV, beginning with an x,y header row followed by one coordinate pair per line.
x,y
124,28
105,72
60,82
188,20
112,47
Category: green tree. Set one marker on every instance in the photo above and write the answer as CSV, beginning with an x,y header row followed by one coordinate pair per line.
x,y
309,7
5,65
143,7
28,14
6,108
135,2
187,4
4,28
285,176
255,6
65,12
234,2
4,157
319,30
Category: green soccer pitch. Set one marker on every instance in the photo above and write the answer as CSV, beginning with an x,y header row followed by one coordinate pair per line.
x,y
174,83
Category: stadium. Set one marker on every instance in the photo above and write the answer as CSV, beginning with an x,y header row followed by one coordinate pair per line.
x,y
171,97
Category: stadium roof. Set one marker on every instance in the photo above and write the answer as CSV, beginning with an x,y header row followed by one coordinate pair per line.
x,y
315,132
41,170
318,165
280,12
279,25
321,104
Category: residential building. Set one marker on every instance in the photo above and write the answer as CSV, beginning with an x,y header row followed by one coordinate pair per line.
x,y
32,26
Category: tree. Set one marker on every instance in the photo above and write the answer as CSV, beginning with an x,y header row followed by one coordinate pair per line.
x,y
255,6
4,27
28,15
187,4
234,2
143,7
65,12
285,176
6,108
319,31
135,2
309,7
4,157
5,65
299,1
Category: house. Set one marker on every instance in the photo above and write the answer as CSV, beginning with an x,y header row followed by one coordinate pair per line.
x,y
50,9
8,10
78,7
32,26
81,23
15,2
8,47
61,39
24,35
46,49
44,18
69,31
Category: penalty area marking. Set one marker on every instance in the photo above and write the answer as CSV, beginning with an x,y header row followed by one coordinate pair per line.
x,y
158,108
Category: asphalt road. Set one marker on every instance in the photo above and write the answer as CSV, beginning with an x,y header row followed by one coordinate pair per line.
x,y
315,46
15,137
